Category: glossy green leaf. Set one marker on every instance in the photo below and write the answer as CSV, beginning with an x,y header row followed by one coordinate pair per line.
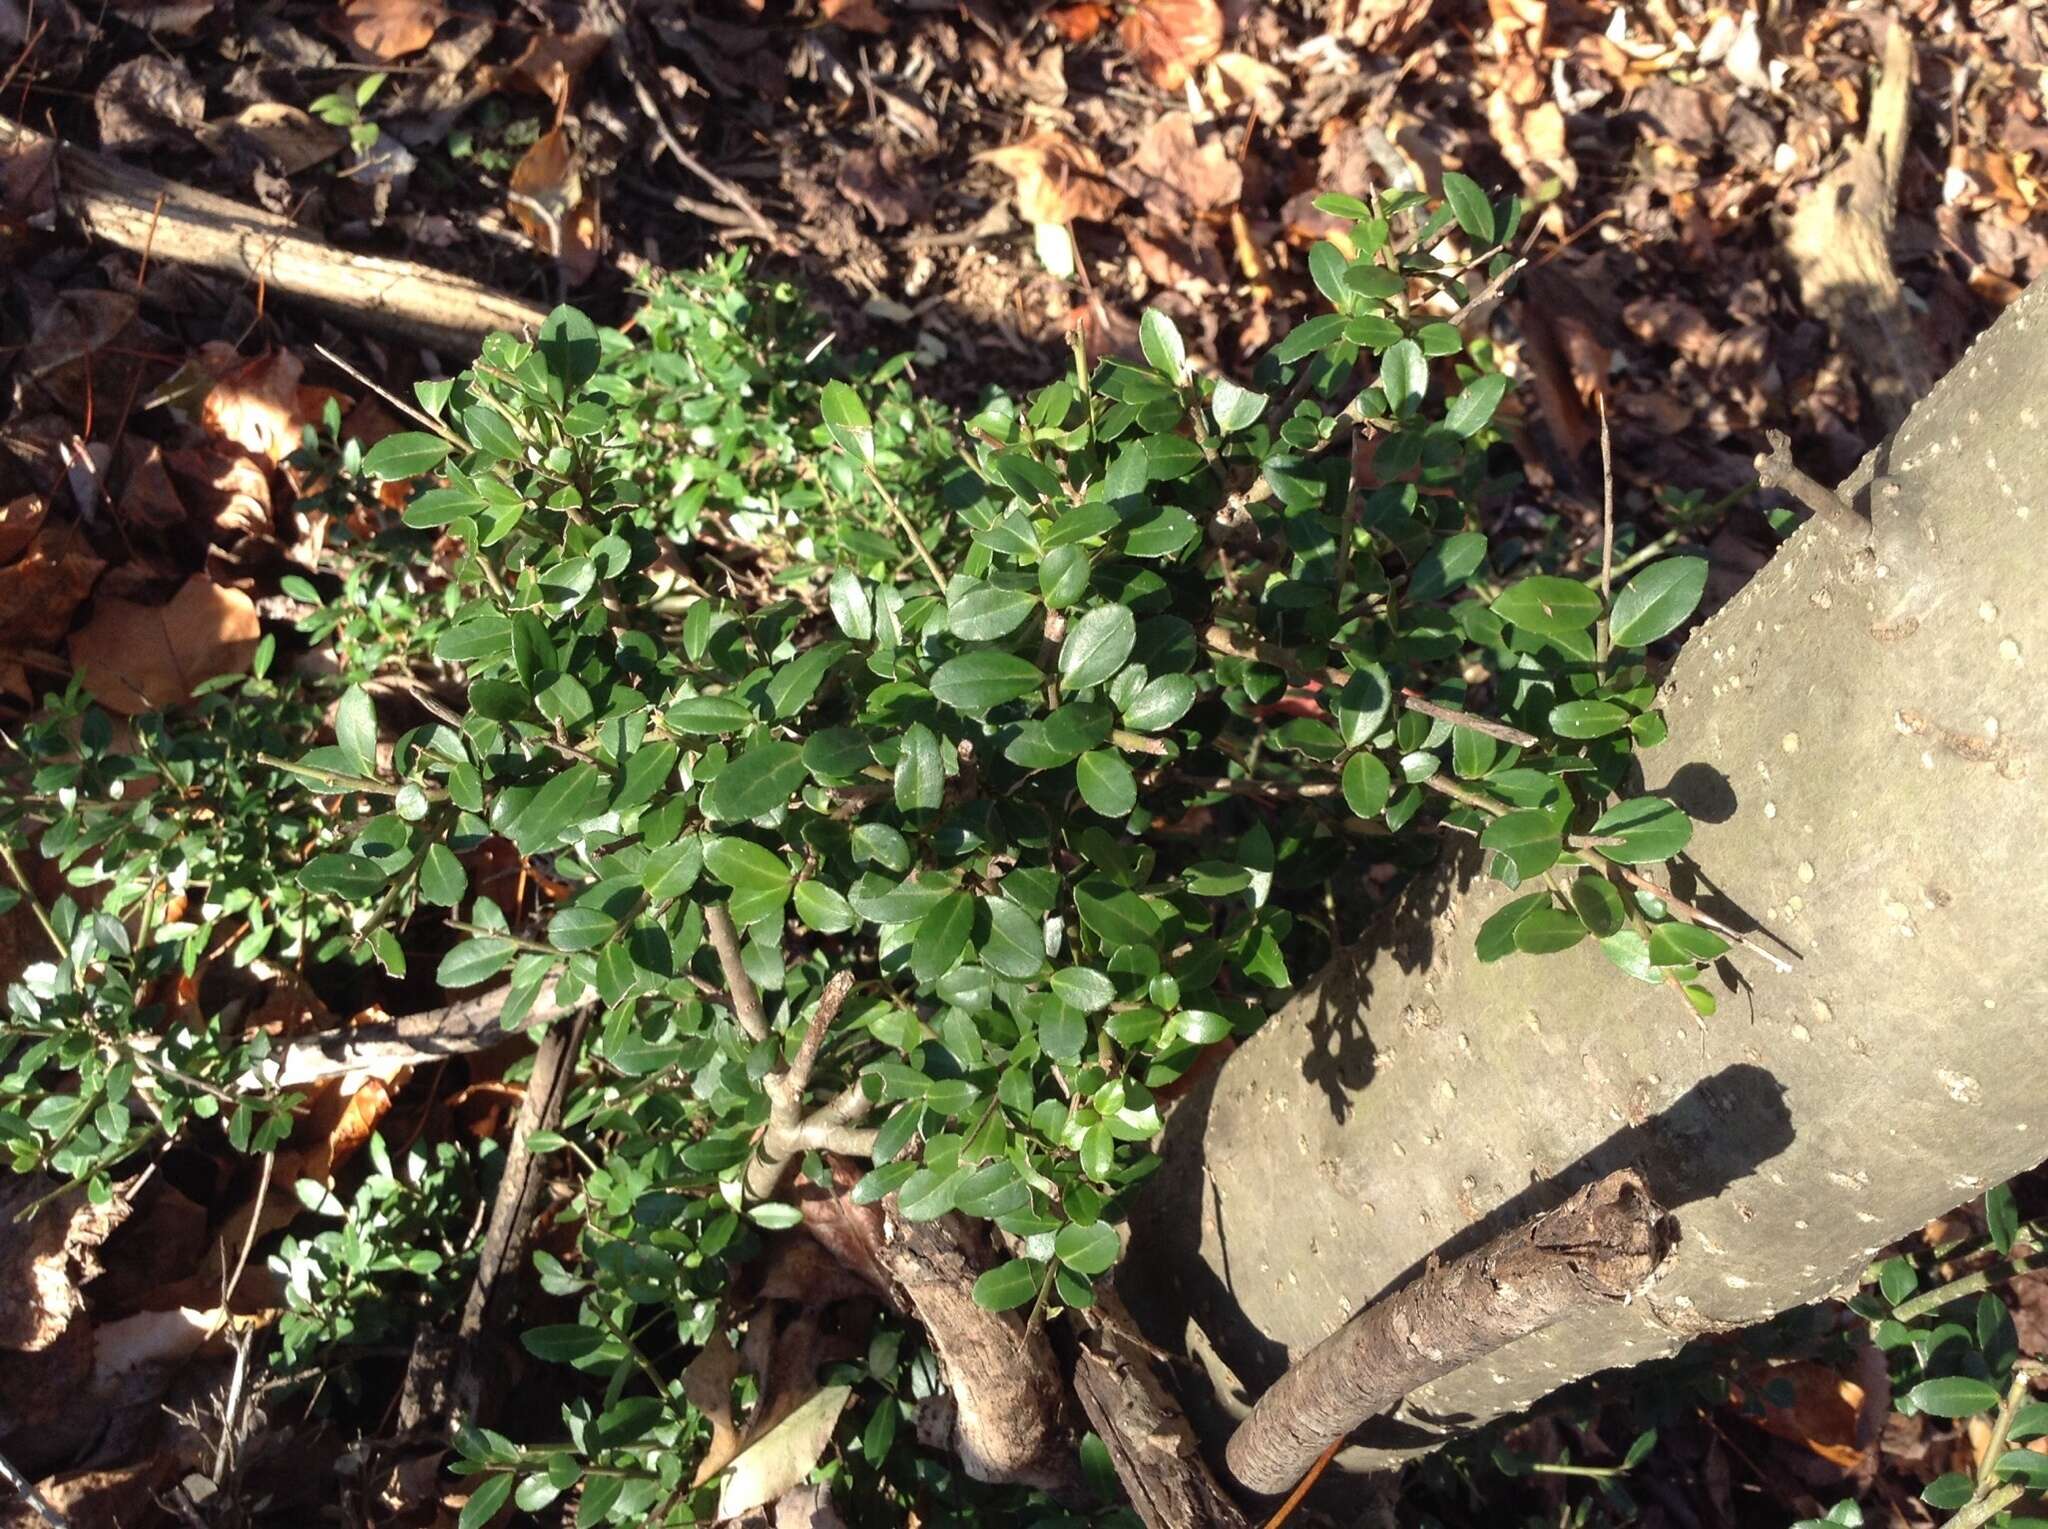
x,y
1163,345
755,783
1657,601
978,682
1009,1285
1548,605
1097,645
1468,203
1953,1396
1587,719
1528,839
847,421
1106,783
1648,827
1236,408
1087,1249
407,454
1473,409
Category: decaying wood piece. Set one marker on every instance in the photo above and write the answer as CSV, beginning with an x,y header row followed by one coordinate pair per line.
x,y
135,210
456,1029
1157,1457
1601,1245
1839,243
1012,1424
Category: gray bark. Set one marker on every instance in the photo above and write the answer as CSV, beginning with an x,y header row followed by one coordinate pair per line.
x,y
1860,735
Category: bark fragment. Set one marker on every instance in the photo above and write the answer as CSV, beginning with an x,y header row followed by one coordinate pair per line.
x,y
1603,1244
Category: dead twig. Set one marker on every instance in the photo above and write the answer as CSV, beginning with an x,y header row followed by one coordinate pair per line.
x,y
26,1490
1776,469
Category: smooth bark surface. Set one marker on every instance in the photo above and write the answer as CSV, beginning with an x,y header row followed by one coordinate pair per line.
x,y
1861,736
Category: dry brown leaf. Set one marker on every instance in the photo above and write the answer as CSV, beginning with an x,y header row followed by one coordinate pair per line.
x,y
784,1455
1237,79
1823,1413
19,522
40,590
255,403
1378,26
227,490
287,137
707,1382
1058,180
148,102
46,1262
138,658
554,62
1078,23
856,16
384,30
1207,175
549,200
1170,38
28,188
878,181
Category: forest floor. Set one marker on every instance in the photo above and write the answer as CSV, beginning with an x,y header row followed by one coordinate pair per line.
x,y
925,168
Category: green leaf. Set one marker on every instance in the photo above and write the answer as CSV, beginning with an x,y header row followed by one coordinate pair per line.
x,y
1657,601
1008,1286
1683,944
1447,565
404,455
1587,719
847,421
569,799
920,772
1649,828
1163,702
1548,606
823,909
1163,346
1639,1451
942,937
1598,902
569,348
485,1499
1469,204
1547,930
1953,1396
1528,839
355,730
580,928
745,866
1404,375
1081,988
1367,785
851,608
1097,646
1897,1279
1063,576
707,715
563,1342
978,682
985,612
1087,1249
1106,782
2001,1217
1945,1492
1236,408
356,878
1497,935
475,961
442,878
1117,917
2024,1466
1472,410
755,783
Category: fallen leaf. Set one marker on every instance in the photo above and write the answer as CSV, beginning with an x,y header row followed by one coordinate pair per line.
x,y
1238,79
227,490
1170,38
40,590
856,16
1822,1415
1378,26
383,30
786,1455
549,200
46,1262
290,139
255,403
28,187
554,62
1057,180
707,1383
19,521
137,658
1206,176
1078,23
148,102
874,179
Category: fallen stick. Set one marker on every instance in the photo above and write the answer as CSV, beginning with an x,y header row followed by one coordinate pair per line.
x,y
1602,1244
135,210
456,1029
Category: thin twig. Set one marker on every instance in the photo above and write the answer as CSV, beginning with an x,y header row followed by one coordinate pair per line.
x,y
1466,719
1302,1487
917,542
26,1490
1776,469
1605,642
419,416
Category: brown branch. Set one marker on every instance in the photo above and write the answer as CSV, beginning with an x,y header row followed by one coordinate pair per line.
x,y
746,1001
456,1029
1603,1244
790,1131
133,210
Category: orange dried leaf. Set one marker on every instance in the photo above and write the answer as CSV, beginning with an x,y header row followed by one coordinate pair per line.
x,y
549,200
1823,1413
553,63
1170,38
255,404
138,658
40,590
19,521
388,29
856,16
1078,23
1058,180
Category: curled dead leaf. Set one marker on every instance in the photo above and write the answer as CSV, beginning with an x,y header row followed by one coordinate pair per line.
x,y
1171,38
254,403
1238,79
1078,23
1823,1413
1057,180
20,519
553,63
290,139
138,658
1206,175
550,202
707,1382
383,30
